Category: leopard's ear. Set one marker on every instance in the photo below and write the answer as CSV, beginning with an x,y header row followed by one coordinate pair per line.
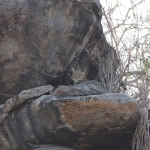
x,y
84,72
72,69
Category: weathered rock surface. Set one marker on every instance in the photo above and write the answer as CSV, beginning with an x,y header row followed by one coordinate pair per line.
x,y
50,147
24,96
40,41
78,90
50,36
92,122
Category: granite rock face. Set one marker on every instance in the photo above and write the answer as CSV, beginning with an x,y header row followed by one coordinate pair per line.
x,y
24,96
93,122
78,90
50,36
40,42
50,147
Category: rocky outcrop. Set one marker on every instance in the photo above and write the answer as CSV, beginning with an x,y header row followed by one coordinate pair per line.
x,y
50,147
24,96
40,41
78,90
93,122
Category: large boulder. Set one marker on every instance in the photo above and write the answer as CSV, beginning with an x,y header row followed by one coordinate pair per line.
x,y
48,36
93,122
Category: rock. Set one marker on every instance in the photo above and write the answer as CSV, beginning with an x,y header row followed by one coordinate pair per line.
x,y
78,90
50,147
40,41
25,96
48,36
4,97
92,122
1,107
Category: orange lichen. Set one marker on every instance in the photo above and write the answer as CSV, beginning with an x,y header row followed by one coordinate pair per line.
x,y
100,113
